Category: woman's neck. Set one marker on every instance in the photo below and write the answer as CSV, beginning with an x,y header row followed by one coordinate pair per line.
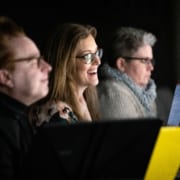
x,y
84,111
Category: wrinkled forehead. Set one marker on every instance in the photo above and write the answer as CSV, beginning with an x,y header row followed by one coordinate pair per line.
x,y
22,46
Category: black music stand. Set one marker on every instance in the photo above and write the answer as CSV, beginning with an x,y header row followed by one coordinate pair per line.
x,y
115,149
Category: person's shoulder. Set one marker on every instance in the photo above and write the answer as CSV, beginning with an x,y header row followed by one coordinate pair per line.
x,y
56,120
7,120
108,82
111,84
114,88
9,128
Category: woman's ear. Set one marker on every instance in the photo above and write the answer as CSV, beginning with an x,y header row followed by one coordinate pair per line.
x,y
120,64
5,78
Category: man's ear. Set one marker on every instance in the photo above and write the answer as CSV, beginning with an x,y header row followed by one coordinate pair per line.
x,y
5,78
120,64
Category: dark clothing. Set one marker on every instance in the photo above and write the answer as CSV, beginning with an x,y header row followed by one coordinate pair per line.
x,y
57,120
41,163
15,137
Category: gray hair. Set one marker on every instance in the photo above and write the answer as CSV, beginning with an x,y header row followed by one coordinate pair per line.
x,y
126,41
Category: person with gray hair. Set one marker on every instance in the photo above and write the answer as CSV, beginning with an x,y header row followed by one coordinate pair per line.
x,y
126,89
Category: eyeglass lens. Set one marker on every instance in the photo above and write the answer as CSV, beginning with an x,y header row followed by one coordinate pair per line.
x,y
91,56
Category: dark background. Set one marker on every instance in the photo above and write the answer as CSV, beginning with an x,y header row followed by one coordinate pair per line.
x,y
157,16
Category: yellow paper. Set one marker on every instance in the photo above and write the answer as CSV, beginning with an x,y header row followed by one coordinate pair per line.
x,y
165,160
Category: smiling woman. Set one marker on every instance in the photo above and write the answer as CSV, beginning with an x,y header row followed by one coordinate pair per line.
x,y
75,57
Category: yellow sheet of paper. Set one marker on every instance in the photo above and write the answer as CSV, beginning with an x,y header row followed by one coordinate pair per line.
x,y
165,159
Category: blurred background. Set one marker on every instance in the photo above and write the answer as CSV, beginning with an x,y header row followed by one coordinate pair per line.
x,y
161,17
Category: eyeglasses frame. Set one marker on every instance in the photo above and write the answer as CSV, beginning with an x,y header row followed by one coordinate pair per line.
x,y
98,53
39,59
146,61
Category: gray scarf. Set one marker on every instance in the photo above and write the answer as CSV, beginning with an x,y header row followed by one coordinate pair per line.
x,y
146,95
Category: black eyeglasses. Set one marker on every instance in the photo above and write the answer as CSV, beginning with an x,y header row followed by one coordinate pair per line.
x,y
145,61
89,57
39,59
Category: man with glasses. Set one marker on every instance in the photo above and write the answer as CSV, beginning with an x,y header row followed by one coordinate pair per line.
x,y
126,89
23,81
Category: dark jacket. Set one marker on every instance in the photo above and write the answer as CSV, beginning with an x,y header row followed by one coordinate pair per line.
x,y
15,137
